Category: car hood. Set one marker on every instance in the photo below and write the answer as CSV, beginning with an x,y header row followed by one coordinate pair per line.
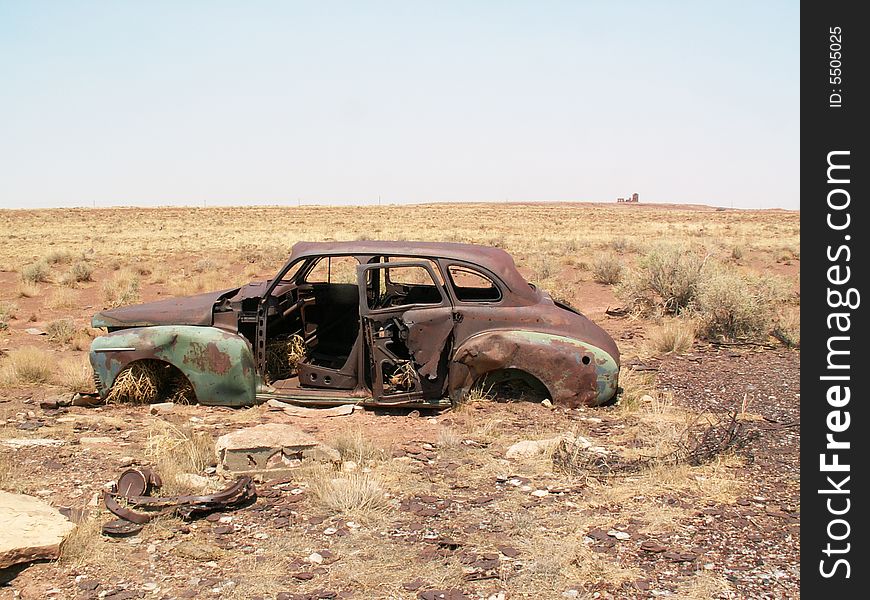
x,y
188,310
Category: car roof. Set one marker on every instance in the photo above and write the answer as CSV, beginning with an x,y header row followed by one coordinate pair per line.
x,y
496,260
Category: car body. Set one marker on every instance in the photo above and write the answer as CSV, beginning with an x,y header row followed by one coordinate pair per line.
x,y
379,323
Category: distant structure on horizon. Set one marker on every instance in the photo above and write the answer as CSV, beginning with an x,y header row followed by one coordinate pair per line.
x,y
633,199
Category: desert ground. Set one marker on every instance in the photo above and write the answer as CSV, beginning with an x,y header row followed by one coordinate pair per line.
x,y
429,505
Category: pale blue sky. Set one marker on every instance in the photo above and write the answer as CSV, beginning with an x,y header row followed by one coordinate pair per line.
x,y
186,102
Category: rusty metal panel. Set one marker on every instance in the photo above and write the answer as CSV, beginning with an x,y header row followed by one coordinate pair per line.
x,y
575,373
219,365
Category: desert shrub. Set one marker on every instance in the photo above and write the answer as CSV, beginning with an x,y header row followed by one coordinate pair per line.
x,y
56,257
607,268
666,280
26,365
732,306
622,245
122,289
79,272
61,331
35,273
737,252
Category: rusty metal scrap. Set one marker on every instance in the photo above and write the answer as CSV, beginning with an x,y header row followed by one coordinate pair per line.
x,y
133,486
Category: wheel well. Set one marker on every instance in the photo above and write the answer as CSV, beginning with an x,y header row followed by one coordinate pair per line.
x,y
513,385
151,380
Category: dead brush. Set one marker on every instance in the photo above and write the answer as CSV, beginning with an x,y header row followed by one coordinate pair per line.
x,y
700,442
283,356
137,384
149,381
404,377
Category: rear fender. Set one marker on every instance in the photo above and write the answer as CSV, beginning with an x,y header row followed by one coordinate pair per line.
x,y
219,365
574,372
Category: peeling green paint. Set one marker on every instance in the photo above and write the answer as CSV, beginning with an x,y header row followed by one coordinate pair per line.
x,y
219,364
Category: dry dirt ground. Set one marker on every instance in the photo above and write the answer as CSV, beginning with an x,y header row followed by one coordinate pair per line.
x,y
447,515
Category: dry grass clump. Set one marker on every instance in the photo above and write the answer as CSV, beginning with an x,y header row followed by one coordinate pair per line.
x,y
732,306
348,492
283,356
35,273
788,328
26,365
353,445
673,336
63,298
633,386
61,331
607,268
176,451
122,289
706,586
85,543
80,272
76,375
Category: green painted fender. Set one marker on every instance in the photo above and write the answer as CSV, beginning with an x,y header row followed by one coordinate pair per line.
x,y
575,372
220,365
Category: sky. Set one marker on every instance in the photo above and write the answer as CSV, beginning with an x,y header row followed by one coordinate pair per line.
x,y
323,102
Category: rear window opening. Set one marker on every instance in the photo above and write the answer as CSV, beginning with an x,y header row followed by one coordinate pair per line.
x,y
471,285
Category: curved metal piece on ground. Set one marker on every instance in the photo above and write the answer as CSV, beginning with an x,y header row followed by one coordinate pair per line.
x,y
241,491
121,527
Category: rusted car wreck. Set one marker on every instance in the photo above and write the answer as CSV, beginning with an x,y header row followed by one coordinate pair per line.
x,y
377,323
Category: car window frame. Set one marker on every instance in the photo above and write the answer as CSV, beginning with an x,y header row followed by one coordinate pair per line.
x,y
445,265
446,300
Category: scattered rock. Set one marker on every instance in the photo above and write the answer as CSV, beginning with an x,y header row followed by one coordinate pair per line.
x,y
270,447
30,442
547,403
32,530
162,408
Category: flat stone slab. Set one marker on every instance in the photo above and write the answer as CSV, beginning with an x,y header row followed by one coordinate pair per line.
x,y
270,447
30,442
31,529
